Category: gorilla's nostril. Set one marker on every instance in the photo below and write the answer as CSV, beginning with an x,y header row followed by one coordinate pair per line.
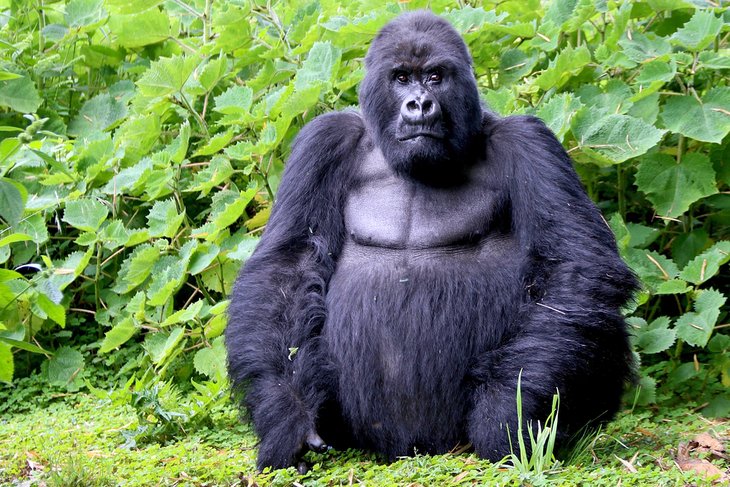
x,y
427,106
412,106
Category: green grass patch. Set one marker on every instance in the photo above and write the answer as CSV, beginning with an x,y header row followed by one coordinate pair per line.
x,y
79,441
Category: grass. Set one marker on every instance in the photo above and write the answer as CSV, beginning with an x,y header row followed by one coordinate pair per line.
x,y
76,441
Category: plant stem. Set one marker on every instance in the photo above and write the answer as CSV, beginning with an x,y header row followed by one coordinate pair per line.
x,y
207,21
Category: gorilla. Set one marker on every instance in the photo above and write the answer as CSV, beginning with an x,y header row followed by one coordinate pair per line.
x,y
422,254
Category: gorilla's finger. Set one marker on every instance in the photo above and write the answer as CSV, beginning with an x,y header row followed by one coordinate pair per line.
x,y
315,443
302,467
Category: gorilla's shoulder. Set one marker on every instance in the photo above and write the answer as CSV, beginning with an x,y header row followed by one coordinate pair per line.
x,y
341,129
527,140
515,126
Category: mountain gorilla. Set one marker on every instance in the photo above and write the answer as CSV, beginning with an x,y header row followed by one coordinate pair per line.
x,y
420,256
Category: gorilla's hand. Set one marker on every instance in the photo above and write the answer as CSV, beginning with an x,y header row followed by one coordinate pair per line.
x,y
284,446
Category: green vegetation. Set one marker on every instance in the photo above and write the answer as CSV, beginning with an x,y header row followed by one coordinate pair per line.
x,y
78,440
141,143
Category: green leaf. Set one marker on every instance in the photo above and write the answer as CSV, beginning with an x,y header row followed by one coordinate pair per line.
x,y
211,361
13,196
179,147
655,337
695,328
673,286
136,268
131,6
161,346
707,264
715,60
687,246
612,98
641,47
320,66
657,71
114,235
215,144
236,100
54,311
84,15
137,135
85,214
613,138
515,64
168,275
558,112
215,173
18,94
163,219
140,29
641,235
166,76
72,266
202,258
568,63
699,32
673,187
118,335
707,119
64,366
6,363
98,114
184,315
213,72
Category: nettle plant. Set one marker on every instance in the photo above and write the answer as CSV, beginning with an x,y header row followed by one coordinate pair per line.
x,y
141,144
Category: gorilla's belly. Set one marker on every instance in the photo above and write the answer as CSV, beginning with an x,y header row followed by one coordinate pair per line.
x,y
403,328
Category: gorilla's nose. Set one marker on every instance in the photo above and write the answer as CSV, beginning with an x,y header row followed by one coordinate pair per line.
x,y
422,109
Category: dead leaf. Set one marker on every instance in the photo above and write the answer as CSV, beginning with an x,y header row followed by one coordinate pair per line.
x,y
702,467
706,443
626,463
460,477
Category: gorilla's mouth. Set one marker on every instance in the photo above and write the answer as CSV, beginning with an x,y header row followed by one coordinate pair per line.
x,y
423,133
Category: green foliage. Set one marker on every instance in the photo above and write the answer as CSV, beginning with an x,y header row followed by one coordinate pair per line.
x,y
141,145
534,464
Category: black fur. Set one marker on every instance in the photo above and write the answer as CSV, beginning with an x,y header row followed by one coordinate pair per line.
x,y
403,283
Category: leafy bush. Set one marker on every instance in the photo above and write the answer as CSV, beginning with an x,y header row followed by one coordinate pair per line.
x,y
141,145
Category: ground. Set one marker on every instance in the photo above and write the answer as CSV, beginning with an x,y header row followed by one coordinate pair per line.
x,y
79,440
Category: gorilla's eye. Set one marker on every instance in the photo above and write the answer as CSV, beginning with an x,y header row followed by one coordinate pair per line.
x,y
434,78
401,77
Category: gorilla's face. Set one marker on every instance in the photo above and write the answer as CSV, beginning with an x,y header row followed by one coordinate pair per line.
x,y
419,97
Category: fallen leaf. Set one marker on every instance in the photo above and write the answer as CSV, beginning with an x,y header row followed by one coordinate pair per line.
x,y
460,477
702,467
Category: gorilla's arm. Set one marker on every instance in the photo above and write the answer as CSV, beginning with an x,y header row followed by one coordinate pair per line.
x,y
277,307
569,334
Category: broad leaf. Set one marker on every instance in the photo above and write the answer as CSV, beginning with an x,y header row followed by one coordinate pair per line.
x,y
136,268
167,76
707,264
64,366
567,63
707,119
696,327
673,187
118,335
141,29
699,32
611,139
85,214
13,196
98,114
163,219
6,363
18,94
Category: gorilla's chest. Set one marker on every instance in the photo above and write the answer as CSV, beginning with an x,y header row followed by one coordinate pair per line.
x,y
389,211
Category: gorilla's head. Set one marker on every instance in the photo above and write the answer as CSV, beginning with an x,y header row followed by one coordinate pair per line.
x,y
419,97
